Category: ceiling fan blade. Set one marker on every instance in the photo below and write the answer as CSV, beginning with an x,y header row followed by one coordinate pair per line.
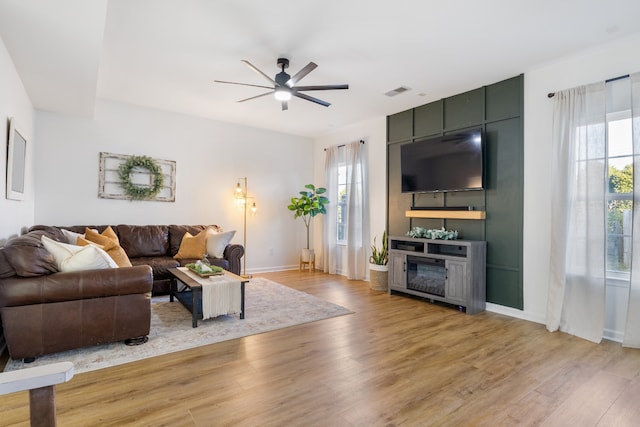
x,y
254,68
257,96
285,105
242,84
311,98
322,87
300,74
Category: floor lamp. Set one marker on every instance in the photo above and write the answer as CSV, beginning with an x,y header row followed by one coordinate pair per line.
x,y
241,195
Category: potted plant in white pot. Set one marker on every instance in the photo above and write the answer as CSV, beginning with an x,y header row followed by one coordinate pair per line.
x,y
310,203
378,268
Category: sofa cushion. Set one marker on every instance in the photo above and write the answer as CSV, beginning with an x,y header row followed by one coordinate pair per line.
x,y
28,256
54,233
159,265
80,229
176,232
110,243
144,240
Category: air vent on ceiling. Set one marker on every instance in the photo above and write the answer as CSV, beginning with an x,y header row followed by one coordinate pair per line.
x,y
397,91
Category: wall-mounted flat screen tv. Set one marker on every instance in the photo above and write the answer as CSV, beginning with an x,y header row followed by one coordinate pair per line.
x,y
453,162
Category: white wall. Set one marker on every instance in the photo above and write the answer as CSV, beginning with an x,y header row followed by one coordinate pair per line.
x,y
597,64
14,102
373,132
210,157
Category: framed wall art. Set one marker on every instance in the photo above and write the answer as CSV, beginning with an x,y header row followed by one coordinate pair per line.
x,y
16,161
112,186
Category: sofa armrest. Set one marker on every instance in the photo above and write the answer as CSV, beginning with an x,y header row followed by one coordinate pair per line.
x,y
234,254
50,288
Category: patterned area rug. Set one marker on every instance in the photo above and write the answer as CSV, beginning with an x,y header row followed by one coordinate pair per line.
x,y
269,306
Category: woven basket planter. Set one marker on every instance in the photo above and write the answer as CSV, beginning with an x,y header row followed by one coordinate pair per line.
x,y
378,277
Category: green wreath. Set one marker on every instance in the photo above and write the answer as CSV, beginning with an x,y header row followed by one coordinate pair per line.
x,y
140,192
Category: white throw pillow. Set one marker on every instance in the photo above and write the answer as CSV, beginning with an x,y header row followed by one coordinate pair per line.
x,y
78,258
60,251
216,242
72,236
88,258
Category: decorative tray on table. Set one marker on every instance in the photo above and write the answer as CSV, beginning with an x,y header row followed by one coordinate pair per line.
x,y
204,270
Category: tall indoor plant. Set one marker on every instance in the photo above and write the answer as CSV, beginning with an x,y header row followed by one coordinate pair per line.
x,y
378,268
310,203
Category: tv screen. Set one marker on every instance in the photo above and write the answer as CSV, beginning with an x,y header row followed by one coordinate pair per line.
x,y
451,162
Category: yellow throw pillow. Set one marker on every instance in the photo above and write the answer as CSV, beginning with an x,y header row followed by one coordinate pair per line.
x,y
110,234
100,239
193,247
109,242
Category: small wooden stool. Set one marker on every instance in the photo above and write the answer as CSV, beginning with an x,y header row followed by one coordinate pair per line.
x,y
311,264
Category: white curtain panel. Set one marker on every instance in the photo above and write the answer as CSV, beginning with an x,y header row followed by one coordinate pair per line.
x,y
357,212
632,327
329,231
352,156
576,297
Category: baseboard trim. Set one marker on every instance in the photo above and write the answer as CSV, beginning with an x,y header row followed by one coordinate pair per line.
x,y
272,269
514,312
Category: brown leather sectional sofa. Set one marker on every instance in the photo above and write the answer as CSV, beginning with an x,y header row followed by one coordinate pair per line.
x,y
156,245
45,311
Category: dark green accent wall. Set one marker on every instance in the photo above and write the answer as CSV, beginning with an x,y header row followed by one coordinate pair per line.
x,y
498,109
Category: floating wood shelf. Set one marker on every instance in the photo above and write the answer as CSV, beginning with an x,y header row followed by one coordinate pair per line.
x,y
446,214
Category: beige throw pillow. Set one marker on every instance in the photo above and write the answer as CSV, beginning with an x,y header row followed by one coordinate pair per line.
x,y
217,242
77,258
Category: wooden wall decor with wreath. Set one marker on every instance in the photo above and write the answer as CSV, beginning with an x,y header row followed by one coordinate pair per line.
x,y
127,177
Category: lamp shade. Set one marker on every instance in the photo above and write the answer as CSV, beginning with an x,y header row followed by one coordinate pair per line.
x,y
282,94
239,192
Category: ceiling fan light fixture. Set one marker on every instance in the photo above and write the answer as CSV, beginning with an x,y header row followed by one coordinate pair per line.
x,y
285,87
282,94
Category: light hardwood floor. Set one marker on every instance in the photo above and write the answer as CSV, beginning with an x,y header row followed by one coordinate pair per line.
x,y
395,361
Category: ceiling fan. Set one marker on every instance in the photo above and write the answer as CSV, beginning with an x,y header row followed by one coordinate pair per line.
x,y
284,86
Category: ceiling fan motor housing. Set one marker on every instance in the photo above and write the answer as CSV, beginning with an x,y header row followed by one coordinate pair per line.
x,y
282,78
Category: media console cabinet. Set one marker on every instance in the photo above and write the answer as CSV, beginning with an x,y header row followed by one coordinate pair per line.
x,y
451,271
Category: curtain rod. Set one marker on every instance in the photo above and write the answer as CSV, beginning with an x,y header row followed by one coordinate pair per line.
x,y
342,145
552,94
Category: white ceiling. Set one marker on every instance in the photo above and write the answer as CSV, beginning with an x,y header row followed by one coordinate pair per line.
x,y
165,54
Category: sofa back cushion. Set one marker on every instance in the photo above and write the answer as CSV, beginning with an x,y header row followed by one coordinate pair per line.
x,y
144,240
57,233
176,232
28,256
54,233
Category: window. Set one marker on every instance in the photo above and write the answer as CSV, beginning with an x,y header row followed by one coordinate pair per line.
x,y
619,190
341,197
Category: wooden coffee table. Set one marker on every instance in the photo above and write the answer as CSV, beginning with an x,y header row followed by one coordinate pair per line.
x,y
191,295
